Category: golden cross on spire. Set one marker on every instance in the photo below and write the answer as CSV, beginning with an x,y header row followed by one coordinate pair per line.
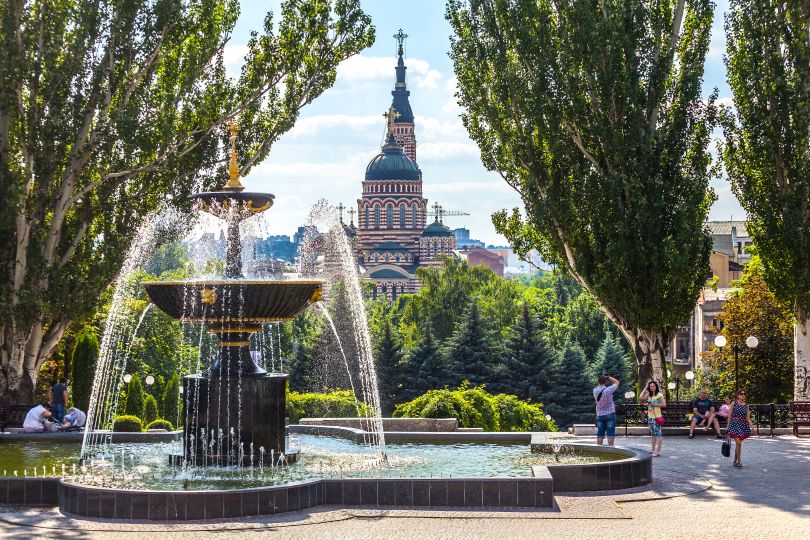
x,y
400,37
233,166
391,117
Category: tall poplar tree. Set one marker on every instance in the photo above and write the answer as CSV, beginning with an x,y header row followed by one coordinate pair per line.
x,y
592,111
767,149
110,108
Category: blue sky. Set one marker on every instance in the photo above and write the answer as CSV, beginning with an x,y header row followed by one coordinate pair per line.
x,y
325,155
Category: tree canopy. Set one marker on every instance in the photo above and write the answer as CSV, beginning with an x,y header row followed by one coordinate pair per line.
x,y
594,114
767,149
109,109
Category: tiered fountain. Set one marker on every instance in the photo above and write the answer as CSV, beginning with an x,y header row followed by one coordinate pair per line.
x,y
235,408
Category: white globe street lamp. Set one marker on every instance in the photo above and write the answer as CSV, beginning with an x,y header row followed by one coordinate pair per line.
x,y
752,342
127,378
690,375
671,386
629,394
720,341
149,380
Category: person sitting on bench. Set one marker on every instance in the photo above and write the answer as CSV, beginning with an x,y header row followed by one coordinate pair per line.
x,y
703,413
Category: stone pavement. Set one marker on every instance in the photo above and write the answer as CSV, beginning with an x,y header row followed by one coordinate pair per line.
x,y
696,494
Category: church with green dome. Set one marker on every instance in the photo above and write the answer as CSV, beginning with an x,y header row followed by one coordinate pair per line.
x,y
393,237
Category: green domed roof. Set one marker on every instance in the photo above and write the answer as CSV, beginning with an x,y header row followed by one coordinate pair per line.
x,y
392,164
437,229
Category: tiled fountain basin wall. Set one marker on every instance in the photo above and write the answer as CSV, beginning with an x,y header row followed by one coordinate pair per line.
x,y
195,505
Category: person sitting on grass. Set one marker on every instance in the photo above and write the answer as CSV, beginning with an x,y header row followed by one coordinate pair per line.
x,y
703,414
37,419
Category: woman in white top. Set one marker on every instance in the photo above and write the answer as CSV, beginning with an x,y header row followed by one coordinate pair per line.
x,y
655,401
35,419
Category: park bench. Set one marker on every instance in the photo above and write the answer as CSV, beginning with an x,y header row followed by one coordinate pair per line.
x,y
799,415
13,415
676,414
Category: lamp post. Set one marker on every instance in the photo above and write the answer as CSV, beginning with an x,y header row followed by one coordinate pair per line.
x,y
127,377
149,380
675,386
751,342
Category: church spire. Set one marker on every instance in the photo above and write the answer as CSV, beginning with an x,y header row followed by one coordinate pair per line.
x,y
403,123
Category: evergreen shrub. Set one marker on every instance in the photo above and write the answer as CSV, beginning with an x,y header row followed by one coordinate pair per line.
x,y
160,423
475,407
150,409
135,398
335,404
127,424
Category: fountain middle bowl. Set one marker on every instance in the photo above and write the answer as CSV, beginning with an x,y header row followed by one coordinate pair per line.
x,y
255,301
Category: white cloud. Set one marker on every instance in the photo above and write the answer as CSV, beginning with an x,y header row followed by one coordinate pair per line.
x,y
495,185
336,123
429,129
234,58
364,68
445,150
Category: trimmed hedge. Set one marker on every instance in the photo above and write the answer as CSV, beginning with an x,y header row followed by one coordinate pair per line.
x,y
475,407
150,409
335,404
160,423
127,424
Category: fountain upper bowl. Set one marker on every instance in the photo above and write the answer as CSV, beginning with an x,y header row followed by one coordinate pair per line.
x,y
255,301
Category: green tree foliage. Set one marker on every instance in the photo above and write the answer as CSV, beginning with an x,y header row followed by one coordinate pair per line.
x,y
474,407
150,409
108,110
766,372
471,353
84,358
335,404
571,399
135,399
388,360
767,149
301,370
529,362
594,114
171,400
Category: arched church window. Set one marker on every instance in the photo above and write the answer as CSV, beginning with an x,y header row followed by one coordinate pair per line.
x,y
389,216
414,215
376,216
401,216
365,217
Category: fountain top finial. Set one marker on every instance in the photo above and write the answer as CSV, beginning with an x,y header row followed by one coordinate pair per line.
x,y
233,169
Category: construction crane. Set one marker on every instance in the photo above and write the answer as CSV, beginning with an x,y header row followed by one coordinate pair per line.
x,y
441,213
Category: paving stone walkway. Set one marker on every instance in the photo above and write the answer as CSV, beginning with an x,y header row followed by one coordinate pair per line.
x,y
696,494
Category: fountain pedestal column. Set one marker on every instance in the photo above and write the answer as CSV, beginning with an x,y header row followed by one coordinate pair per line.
x,y
253,406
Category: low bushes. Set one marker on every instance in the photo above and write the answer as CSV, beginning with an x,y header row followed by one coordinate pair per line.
x,y
127,423
475,407
160,423
335,404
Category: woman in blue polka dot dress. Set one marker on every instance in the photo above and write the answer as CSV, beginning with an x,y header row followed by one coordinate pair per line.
x,y
739,426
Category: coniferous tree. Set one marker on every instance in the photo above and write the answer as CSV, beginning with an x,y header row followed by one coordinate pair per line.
x,y
171,400
428,368
529,362
150,409
571,399
83,369
471,352
301,370
388,361
135,398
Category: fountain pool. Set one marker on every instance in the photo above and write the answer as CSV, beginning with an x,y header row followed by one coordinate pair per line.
x,y
146,465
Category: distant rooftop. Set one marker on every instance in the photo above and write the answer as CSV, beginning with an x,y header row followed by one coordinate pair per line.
x,y
724,227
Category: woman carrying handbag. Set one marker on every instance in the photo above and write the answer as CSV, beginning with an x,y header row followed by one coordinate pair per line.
x,y
655,401
739,426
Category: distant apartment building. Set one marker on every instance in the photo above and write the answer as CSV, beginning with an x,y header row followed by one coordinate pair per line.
x,y
728,259
477,256
463,240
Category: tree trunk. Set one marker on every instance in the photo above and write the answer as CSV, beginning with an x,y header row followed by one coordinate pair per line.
x,y
801,354
22,353
648,346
